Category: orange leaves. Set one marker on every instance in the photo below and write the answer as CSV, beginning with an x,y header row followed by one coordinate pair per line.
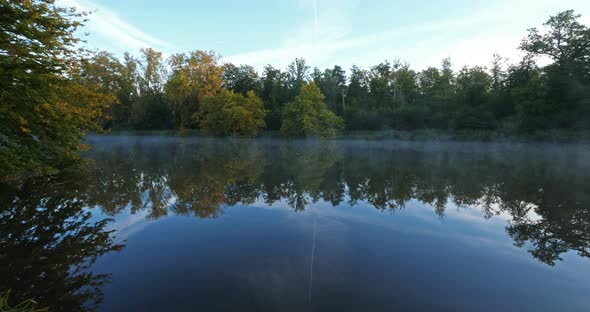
x,y
44,108
194,76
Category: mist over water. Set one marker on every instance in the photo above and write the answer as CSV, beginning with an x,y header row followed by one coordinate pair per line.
x,y
188,223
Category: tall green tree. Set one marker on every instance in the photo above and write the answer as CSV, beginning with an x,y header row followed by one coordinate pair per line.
x,y
437,93
240,79
298,74
528,92
381,86
308,115
357,112
473,94
230,113
567,42
332,83
129,92
153,72
405,86
275,94
500,103
104,71
149,110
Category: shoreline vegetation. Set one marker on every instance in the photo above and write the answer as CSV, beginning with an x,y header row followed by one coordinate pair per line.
x,y
421,135
25,306
547,136
388,136
53,92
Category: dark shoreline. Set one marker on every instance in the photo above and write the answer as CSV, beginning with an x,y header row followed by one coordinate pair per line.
x,y
545,136
428,136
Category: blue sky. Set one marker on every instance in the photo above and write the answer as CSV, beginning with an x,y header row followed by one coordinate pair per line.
x,y
324,32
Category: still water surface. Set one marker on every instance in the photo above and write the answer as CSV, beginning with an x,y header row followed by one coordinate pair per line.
x,y
195,224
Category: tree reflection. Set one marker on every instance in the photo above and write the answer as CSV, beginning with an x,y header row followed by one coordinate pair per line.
x,y
559,227
48,241
201,177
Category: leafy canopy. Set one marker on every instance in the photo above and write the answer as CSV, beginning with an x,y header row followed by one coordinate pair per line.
x,y
309,116
230,113
194,76
44,104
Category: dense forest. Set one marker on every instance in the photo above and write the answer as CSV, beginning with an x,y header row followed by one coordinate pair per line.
x,y
52,91
177,93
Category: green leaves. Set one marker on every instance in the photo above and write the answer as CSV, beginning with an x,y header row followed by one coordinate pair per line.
x,y
44,106
230,113
566,39
308,115
25,306
194,76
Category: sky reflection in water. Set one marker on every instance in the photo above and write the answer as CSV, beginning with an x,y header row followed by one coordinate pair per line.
x,y
226,224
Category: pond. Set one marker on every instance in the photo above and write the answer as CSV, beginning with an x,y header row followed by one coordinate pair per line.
x,y
163,223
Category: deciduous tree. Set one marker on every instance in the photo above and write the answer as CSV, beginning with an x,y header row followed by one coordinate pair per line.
x,y
308,115
43,111
230,113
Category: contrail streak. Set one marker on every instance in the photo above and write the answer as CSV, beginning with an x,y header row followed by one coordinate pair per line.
x,y
315,20
312,258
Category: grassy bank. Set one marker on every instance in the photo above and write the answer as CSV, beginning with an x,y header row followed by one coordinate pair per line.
x,y
25,306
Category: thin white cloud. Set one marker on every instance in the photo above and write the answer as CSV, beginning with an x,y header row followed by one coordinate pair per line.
x,y
469,40
110,32
326,39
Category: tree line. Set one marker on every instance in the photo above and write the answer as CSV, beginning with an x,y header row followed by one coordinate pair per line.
x,y
52,92
196,91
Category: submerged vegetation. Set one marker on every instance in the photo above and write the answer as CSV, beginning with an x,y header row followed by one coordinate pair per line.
x,y
52,91
25,306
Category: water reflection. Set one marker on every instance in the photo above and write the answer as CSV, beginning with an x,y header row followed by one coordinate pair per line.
x,y
545,195
47,240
